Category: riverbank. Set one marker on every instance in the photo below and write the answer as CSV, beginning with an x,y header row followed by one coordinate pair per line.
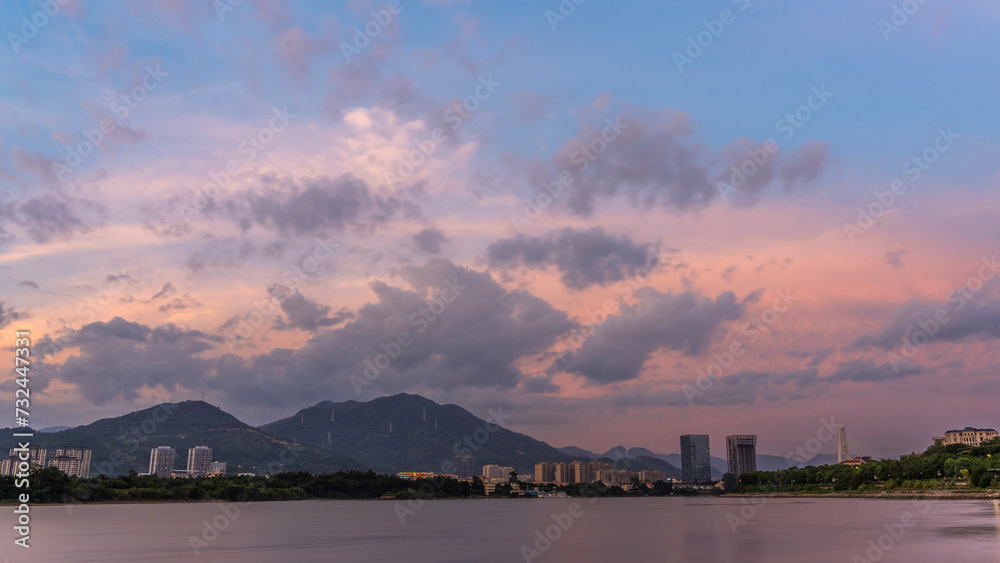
x,y
928,494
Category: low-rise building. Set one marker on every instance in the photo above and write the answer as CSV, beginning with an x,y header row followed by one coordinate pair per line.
x,y
616,476
651,476
414,475
497,473
855,461
969,436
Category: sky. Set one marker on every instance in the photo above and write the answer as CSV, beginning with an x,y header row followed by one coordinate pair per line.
x,y
619,222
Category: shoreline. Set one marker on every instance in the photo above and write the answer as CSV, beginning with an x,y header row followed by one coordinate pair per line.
x,y
930,494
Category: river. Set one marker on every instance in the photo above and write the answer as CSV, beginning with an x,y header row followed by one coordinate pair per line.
x,y
545,530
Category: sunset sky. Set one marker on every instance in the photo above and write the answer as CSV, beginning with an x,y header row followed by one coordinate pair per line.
x,y
572,217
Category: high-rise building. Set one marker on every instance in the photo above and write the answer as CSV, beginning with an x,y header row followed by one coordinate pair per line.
x,y
651,476
463,466
72,460
696,462
564,473
199,458
35,459
584,471
545,472
741,451
161,461
616,476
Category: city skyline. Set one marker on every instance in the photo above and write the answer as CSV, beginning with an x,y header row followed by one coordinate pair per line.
x,y
325,215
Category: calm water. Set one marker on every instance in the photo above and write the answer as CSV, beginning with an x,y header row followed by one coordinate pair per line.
x,y
673,529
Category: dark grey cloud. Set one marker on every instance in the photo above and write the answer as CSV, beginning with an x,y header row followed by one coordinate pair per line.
x,y
314,207
115,359
303,313
111,278
964,316
430,241
181,303
657,161
221,253
584,258
864,370
463,328
749,387
47,217
10,314
31,284
735,389
474,341
654,161
621,345
895,258
167,290
540,384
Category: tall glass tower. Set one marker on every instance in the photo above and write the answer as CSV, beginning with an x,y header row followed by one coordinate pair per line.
x,y
696,462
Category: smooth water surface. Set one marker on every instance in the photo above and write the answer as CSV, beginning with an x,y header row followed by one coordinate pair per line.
x,y
606,529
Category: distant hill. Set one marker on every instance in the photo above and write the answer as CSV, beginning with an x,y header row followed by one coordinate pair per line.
x,y
123,443
578,452
644,463
719,465
328,437
822,459
423,437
